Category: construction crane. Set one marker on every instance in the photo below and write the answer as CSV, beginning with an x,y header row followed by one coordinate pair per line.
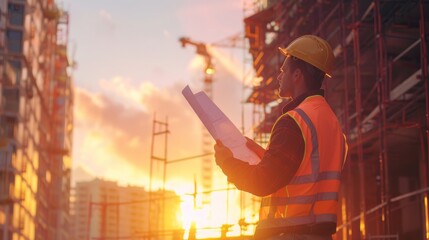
x,y
201,50
235,41
207,162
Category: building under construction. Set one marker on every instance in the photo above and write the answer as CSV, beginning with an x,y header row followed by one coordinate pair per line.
x,y
36,121
379,92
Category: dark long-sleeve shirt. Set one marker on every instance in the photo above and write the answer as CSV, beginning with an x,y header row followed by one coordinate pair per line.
x,y
281,160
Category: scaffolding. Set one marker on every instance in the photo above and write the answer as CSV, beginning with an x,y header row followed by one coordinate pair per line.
x,y
36,121
157,208
61,121
380,94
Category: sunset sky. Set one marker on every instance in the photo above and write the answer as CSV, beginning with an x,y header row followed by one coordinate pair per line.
x,y
130,65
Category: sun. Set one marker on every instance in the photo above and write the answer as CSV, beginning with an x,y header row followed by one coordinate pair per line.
x,y
226,206
209,218
187,215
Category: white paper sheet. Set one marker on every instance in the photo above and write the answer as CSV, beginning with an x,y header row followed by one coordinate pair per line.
x,y
219,125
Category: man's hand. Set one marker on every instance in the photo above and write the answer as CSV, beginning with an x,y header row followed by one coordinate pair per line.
x,y
222,153
255,147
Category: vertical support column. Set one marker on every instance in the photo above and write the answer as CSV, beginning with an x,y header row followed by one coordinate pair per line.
x,y
424,68
164,178
380,56
158,128
246,65
149,222
358,102
347,204
207,160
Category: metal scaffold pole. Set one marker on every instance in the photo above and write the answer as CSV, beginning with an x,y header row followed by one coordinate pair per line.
x,y
347,201
424,69
381,98
158,128
358,102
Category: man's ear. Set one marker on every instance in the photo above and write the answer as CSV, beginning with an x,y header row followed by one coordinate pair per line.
x,y
297,74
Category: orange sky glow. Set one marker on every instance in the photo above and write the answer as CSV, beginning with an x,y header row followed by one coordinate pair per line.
x,y
126,152
115,106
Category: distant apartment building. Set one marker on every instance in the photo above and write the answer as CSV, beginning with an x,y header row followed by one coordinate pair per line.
x,y
134,211
36,121
95,214
104,210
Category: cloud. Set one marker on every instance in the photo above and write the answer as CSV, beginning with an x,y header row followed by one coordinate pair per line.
x,y
109,131
231,65
113,134
113,130
113,127
120,89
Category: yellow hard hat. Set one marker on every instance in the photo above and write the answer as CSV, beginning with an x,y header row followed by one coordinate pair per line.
x,y
313,50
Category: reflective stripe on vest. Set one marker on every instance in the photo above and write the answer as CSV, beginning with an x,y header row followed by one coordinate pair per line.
x,y
318,200
278,201
315,161
281,222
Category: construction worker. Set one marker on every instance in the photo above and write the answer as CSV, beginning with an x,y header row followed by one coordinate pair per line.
x,y
299,172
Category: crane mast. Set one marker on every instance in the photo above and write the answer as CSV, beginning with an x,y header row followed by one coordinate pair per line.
x,y
207,161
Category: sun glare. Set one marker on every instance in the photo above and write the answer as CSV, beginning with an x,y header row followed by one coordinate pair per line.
x,y
209,218
230,64
187,214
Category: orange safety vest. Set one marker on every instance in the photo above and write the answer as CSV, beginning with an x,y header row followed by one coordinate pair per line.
x,y
312,194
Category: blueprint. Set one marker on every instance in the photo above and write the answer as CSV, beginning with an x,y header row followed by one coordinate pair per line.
x,y
219,125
